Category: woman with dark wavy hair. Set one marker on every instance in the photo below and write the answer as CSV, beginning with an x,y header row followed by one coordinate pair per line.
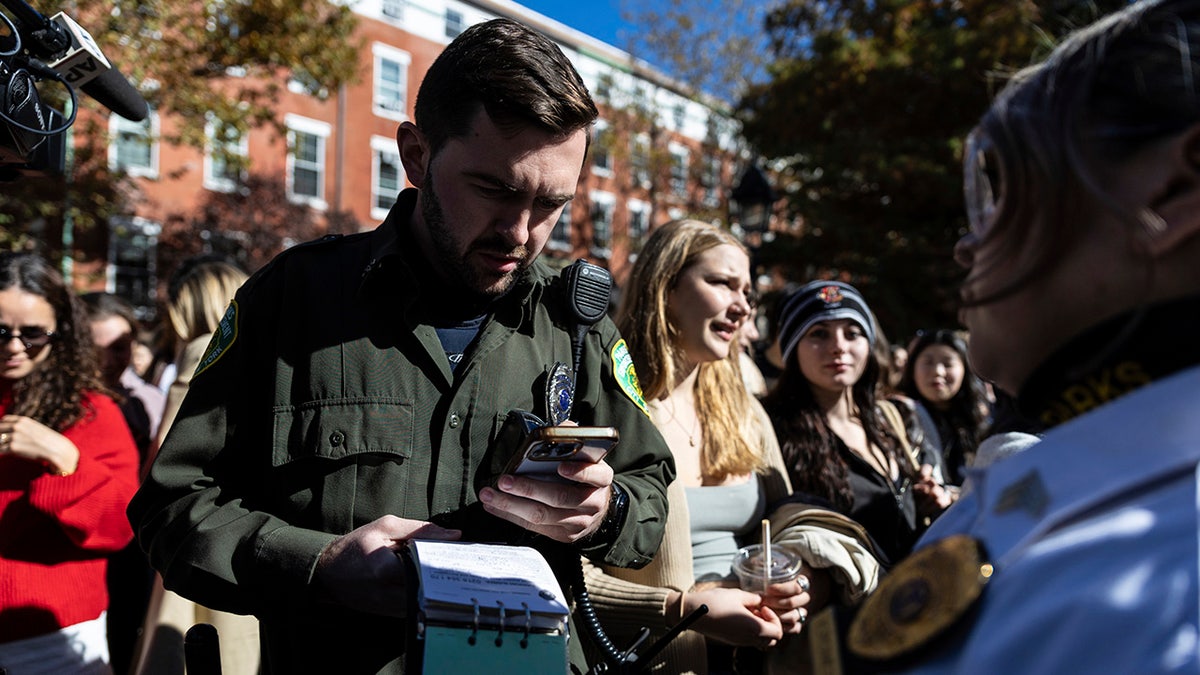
x,y
842,443
68,468
939,378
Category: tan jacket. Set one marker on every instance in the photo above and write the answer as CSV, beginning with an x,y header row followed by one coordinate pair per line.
x,y
627,600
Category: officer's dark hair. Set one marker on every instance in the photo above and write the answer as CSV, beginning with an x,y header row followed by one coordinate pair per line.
x,y
516,74
1109,90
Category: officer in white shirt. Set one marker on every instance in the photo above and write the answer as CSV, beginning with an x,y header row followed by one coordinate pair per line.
x,y
1081,553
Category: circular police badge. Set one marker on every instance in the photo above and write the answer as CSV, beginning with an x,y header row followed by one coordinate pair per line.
x,y
923,596
560,394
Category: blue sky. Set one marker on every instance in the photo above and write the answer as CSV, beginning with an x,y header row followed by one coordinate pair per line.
x,y
598,18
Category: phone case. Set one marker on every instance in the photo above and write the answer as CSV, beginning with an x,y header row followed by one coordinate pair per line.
x,y
545,447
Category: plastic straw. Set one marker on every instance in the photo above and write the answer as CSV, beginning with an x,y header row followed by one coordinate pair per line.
x,y
766,548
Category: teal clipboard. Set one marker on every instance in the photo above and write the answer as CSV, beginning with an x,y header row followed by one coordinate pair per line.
x,y
452,649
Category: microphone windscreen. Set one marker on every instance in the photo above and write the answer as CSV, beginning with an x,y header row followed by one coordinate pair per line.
x,y
114,92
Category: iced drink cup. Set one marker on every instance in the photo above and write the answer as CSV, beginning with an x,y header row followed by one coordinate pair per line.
x,y
750,566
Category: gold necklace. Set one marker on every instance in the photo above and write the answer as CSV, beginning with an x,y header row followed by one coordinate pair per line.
x,y
691,435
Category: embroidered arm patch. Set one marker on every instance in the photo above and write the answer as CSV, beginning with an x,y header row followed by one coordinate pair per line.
x,y
222,339
626,376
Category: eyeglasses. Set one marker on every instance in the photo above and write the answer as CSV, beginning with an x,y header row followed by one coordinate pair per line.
x,y
30,336
983,183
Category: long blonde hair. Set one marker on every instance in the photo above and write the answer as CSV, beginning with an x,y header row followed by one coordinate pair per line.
x,y
723,404
199,298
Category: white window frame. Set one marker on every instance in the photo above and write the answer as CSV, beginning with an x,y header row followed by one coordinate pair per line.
x,y
124,232
606,202
640,151
680,163
637,206
382,53
383,145
712,179
600,151
454,30
560,234
221,183
148,129
311,127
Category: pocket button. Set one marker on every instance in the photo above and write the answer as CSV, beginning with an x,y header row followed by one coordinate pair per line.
x,y
337,438
455,420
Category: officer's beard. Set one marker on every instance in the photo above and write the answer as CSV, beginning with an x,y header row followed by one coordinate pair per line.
x,y
451,253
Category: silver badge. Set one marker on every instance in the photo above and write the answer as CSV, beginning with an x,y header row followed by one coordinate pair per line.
x,y
560,394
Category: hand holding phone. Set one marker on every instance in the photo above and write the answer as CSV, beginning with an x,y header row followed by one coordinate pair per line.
x,y
545,447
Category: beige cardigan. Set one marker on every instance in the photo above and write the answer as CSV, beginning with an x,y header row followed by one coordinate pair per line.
x,y
627,600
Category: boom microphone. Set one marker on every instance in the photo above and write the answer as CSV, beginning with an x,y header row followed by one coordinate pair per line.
x,y
84,66
73,54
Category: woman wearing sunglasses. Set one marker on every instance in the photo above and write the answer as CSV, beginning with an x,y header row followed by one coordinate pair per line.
x,y
68,468
1083,299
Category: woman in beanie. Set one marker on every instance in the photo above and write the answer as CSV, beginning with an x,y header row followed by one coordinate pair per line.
x,y
68,468
842,443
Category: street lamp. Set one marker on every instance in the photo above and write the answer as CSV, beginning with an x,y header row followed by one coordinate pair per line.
x,y
752,201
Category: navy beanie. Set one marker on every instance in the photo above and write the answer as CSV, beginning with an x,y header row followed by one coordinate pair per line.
x,y
820,301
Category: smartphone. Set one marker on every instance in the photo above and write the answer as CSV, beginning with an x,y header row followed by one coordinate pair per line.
x,y
544,447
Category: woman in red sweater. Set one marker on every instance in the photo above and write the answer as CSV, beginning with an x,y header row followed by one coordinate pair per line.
x,y
68,468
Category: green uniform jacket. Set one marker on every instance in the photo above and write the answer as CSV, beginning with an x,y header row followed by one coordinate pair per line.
x,y
325,402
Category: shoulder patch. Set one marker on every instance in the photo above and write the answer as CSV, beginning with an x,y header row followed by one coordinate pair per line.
x,y
626,376
223,337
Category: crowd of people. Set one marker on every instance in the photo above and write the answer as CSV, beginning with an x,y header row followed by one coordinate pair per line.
x,y
1014,495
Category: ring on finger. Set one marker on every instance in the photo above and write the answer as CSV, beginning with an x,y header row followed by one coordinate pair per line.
x,y
804,584
3,439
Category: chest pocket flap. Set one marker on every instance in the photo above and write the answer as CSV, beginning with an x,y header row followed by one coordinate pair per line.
x,y
342,428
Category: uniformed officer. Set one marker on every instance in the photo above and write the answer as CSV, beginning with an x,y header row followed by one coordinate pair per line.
x,y
356,386
1081,553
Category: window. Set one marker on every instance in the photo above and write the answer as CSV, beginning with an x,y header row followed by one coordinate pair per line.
x,y
306,160
387,176
134,146
226,157
454,23
639,219
711,180
604,88
639,160
601,149
560,236
132,252
602,217
679,170
302,82
391,82
679,113
393,9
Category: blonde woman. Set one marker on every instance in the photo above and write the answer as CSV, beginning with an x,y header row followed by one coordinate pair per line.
x,y
198,295
197,298
686,301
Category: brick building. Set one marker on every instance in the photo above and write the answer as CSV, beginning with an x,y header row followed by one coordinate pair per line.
x,y
657,154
